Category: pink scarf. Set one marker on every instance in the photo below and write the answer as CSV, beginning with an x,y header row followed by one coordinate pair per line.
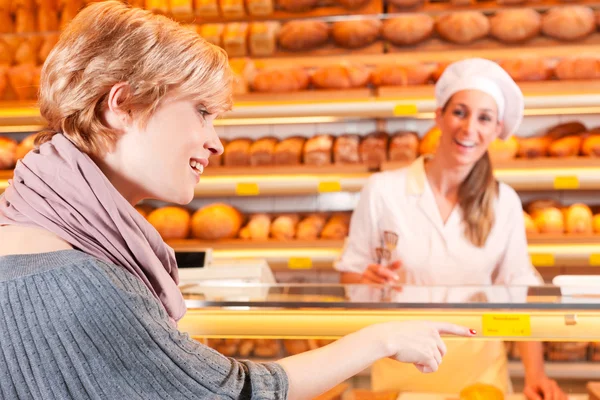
x,y
62,190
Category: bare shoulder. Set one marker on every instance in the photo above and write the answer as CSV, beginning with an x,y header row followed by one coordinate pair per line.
x,y
27,240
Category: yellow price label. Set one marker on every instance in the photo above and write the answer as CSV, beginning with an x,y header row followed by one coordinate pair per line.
x,y
328,187
247,189
595,260
516,325
566,183
405,110
299,263
543,260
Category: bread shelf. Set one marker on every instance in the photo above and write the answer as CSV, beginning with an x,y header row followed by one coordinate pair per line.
x,y
585,371
546,251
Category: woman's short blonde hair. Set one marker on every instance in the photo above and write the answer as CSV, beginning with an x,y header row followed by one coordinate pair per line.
x,y
108,43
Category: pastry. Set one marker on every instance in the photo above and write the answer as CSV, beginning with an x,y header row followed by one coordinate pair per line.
x,y
533,147
237,153
295,346
235,39
318,150
266,348
216,221
310,227
258,228
356,33
47,20
345,149
284,227
262,151
263,38
566,129
535,207
404,3
303,35
25,20
578,219
567,146
352,4
549,220
171,222
430,141
515,25
27,53
213,33
8,147
337,227
408,29
281,80
206,8
21,79
527,69
259,7
402,75
343,76
569,22
572,68
373,149
289,151
404,146
591,146
297,5
463,27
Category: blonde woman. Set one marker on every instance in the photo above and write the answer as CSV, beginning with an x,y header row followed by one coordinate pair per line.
x,y
88,290
454,225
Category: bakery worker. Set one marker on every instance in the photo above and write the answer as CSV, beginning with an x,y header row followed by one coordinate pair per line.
x,y
455,225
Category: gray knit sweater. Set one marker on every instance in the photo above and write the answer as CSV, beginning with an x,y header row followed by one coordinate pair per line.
x,y
74,327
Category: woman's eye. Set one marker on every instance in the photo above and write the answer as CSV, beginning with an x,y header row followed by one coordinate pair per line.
x,y
203,112
485,118
458,113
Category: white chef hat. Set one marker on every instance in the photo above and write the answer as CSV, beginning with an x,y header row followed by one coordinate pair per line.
x,y
488,77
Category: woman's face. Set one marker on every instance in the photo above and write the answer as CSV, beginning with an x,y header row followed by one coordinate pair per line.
x,y
165,159
469,123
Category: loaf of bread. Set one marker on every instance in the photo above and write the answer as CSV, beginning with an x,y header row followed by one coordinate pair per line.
x,y
341,76
284,227
402,75
171,222
463,27
565,129
530,227
259,7
503,150
25,146
262,151
337,227
318,150
258,227
297,5
408,29
207,8
289,151
216,221
373,149
515,25
8,147
263,38
303,35
404,146
567,146
235,39
430,141
213,33
571,22
310,227
479,391
527,69
573,68
237,153
591,146
281,80
345,149
534,147
567,351
578,219
356,33
549,220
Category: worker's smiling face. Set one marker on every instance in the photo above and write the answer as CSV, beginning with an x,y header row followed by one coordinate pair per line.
x,y
469,123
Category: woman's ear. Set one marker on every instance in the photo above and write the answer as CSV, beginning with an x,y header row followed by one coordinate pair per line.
x,y
499,128
115,115
438,116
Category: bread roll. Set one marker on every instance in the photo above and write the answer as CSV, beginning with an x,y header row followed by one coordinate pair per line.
x,y
527,69
357,33
266,348
430,141
579,219
574,68
207,8
8,147
263,38
25,20
352,4
303,35
6,54
295,346
318,150
297,5
284,227
47,20
373,149
549,220
171,222
405,3
259,7
565,129
479,391
258,227
569,22
534,147
343,76
530,227
337,227
463,27
566,147
21,79
408,29
537,206
281,80
404,146
591,146
216,221
237,153
235,39
503,150
27,53
25,146
515,25
262,151
213,33
345,149
402,75
289,151
232,9
310,227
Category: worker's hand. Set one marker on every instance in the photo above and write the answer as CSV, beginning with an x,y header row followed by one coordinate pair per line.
x,y
378,274
543,388
418,343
